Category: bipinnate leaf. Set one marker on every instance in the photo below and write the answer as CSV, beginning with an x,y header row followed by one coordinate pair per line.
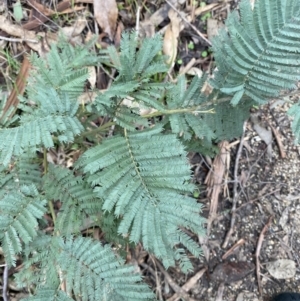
x,y
258,53
144,177
19,214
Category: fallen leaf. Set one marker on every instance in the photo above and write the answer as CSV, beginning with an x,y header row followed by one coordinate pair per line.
x,y
171,37
76,29
232,271
282,268
30,37
106,14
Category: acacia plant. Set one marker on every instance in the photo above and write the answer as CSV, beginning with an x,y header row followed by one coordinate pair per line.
x,y
133,181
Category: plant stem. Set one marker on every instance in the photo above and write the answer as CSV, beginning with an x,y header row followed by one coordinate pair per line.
x,y
99,129
50,204
192,110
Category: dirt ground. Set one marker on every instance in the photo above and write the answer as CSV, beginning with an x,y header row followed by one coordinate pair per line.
x,y
261,178
266,221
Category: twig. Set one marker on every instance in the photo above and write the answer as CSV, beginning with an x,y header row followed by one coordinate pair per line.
x,y
235,246
278,140
137,25
173,284
154,273
188,66
235,185
257,253
5,282
189,23
189,284
258,198
18,40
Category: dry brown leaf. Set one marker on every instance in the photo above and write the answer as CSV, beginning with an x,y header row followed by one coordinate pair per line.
x,y
75,30
19,88
40,41
106,14
147,26
15,30
232,271
171,37
214,180
40,18
41,8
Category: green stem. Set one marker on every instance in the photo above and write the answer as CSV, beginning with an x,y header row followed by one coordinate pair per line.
x,y
99,129
45,162
50,204
192,110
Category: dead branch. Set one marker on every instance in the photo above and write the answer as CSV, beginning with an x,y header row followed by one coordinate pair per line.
x,y
278,141
257,252
214,181
189,284
235,185
181,293
234,247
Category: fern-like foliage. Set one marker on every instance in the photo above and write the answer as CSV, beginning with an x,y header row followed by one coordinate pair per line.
x,y
135,185
55,114
19,213
64,69
227,121
144,177
135,66
181,97
258,54
88,271
78,200
51,102
24,171
49,294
